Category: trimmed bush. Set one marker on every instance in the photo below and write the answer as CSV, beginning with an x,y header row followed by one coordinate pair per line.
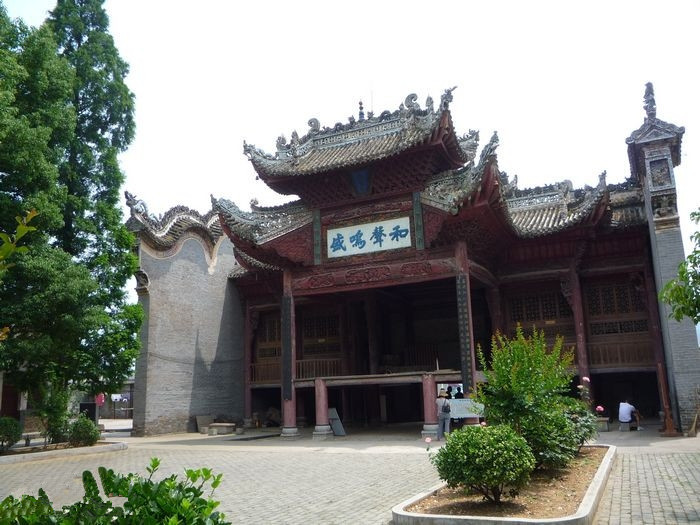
x,y
491,460
10,432
83,432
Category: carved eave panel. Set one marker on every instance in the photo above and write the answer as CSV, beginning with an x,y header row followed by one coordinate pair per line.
x,y
626,207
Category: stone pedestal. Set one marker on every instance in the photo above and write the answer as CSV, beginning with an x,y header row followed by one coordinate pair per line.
x,y
322,433
290,433
603,424
429,430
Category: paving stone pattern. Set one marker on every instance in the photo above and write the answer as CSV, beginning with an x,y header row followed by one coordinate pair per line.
x,y
262,484
652,488
358,480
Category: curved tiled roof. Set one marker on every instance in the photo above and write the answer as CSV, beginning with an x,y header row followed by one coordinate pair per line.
x,y
360,141
262,224
553,209
448,190
163,232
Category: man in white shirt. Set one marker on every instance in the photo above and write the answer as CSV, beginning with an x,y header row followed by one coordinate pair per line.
x,y
627,412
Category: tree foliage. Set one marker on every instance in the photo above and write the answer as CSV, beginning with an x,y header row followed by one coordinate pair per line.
x,y
683,292
65,114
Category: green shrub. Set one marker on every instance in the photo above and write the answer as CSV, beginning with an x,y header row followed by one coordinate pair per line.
x,y
83,432
551,437
168,501
52,407
583,419
27,509
489,460
10,432
523,377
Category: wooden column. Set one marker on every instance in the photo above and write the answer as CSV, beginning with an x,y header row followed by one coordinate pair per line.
x,y
322,430
372,336
493,300
430,416
248,360
289,409
669,429
344,340
580,325
464,318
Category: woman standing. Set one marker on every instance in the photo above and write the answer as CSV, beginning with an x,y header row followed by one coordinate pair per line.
x,y
443,408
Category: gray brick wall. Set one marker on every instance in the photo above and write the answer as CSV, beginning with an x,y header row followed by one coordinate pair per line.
x,y
191,362
680,339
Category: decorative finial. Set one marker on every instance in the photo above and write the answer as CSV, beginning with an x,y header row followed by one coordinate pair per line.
x,y
362,113
649,102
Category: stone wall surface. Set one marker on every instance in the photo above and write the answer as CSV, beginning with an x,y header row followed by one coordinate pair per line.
x,y
191,362
682,355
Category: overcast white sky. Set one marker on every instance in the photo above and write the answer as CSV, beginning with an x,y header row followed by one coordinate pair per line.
x,y
561,82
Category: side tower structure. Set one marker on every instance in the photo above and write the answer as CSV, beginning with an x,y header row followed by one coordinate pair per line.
x,y
654,150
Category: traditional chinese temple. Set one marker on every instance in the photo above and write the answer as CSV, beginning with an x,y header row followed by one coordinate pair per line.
x,y
405,249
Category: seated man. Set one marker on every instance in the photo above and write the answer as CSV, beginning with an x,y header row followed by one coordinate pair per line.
x,y
627,411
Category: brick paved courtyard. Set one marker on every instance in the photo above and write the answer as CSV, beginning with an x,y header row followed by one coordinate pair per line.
x,y
357,480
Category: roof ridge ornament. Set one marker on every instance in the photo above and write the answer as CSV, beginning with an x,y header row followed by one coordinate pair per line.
x,y
650,101
446,98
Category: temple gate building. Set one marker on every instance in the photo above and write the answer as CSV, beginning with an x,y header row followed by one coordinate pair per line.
x,y
406,249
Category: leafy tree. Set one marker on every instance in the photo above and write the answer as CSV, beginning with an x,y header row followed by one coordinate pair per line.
x,y
93,231
683,292
8,246
64,115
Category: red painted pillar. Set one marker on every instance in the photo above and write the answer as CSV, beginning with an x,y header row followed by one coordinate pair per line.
x,y
322,430
430,416
289,408
493,301
580,325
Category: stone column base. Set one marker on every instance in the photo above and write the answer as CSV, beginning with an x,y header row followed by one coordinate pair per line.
x,y
429,430
322,432
290,433
247,422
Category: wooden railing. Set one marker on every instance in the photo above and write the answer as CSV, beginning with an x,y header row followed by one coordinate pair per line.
x,y
271,372
620,354
310,368
266,372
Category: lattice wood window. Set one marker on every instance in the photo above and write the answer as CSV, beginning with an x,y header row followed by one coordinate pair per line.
x,y
269,337
612,299
526,308
320,334
615,308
